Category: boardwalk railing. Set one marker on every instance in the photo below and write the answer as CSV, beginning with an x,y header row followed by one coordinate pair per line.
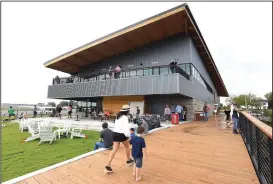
x,y
258,140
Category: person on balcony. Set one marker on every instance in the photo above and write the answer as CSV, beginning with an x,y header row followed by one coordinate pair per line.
x,y
235,118
172,66
57,80
117,71
110,70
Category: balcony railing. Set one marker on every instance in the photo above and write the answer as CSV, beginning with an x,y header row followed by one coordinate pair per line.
x,y
183,69
258,140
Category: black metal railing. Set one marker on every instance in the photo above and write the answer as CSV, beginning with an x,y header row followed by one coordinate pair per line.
x,y
183,69
258,140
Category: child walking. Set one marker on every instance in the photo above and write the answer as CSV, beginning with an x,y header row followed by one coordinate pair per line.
x,y
138,151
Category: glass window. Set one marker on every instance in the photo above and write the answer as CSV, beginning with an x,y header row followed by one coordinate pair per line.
x,y
92,78
101,77
133,73
123,74
164,70
183,66
156,71
147,71
127,74
140,72
188,69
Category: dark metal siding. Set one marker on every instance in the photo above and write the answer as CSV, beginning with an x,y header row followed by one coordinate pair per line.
x,y
198,63
162,52
162,84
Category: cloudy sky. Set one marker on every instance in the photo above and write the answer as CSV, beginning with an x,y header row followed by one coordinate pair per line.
x,y
239,36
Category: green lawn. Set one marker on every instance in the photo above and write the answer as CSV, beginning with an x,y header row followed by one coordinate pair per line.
x,y
21,158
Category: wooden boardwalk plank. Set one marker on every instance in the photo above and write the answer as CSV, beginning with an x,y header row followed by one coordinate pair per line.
x,y
41,179
196,152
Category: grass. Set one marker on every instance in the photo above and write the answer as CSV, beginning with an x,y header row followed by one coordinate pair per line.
x,y
19,109
21,158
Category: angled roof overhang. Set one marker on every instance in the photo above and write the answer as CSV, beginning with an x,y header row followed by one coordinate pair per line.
x,y
166,24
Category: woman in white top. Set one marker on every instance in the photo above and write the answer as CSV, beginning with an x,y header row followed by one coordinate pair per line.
x,y
121,134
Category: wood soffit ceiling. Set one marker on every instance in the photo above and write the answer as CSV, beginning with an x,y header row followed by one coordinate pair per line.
x,y
158,27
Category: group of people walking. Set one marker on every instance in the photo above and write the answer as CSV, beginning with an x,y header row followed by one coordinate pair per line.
x,y
234,114
124,133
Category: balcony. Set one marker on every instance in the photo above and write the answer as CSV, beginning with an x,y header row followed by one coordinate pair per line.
x,y
139,81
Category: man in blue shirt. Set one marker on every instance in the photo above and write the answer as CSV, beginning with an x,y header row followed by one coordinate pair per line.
x,y
173,108
179,110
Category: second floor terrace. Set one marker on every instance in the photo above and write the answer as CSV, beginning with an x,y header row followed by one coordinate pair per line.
x,y
131,81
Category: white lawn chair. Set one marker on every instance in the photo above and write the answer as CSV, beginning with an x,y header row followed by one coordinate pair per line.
x,y
33,129
46,134
23,124
76,132
64,130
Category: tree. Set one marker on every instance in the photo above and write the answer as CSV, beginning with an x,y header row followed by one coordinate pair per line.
x,y
268,96
230,100
245,99
73,103
52,104
63,103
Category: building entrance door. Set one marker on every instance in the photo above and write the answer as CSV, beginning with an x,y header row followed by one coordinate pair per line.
x,y
133,105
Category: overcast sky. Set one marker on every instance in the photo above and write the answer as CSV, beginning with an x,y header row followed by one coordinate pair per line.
x,y
238,35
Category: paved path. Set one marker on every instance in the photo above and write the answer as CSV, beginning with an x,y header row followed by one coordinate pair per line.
x,y
196,152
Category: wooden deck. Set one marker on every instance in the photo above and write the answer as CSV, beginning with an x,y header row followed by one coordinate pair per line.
x,y
197,152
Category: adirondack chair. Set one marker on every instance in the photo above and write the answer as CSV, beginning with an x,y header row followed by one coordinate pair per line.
x,y
64,130
76,132
23,124
46,134
33,129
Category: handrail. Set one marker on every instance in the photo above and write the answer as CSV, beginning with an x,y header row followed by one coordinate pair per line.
x,y
129,69
182,72
262,126
257,137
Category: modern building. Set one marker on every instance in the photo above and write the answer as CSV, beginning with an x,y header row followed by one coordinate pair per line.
x,y
144,51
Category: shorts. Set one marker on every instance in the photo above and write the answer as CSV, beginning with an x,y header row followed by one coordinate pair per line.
x,y
11,115
69,112
119,137
138,162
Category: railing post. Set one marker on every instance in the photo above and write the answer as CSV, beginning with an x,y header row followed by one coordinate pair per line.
x,y
270,144
258,151
250,139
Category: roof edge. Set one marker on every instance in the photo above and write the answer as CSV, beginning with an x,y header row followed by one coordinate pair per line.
x,y
199,32
47,63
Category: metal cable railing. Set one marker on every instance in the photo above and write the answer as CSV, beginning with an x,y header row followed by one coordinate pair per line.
x,y
258,140
183,69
